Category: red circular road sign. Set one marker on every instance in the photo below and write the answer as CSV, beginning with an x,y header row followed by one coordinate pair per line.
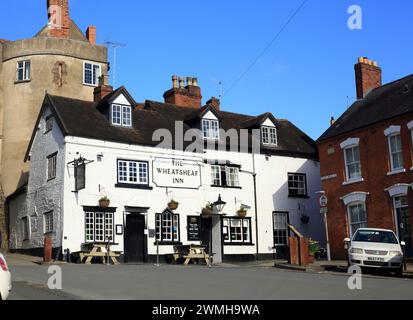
x,y
323,201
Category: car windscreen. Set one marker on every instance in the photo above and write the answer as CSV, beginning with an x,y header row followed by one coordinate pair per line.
x,y
375,236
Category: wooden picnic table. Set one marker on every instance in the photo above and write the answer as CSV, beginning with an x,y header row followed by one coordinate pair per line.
x,y
99,250
191,253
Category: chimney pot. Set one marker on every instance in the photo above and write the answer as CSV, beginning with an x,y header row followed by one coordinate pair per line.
x,y
195,82
175,82
189,81
182,82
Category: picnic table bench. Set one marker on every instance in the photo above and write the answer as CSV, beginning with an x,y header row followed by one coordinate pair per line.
x,y
190,253
99,250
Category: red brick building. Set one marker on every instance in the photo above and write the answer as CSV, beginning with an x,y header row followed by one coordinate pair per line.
x,y
367,160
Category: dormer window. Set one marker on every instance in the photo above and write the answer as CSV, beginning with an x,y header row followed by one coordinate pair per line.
x,y
269,135
121,115
210,129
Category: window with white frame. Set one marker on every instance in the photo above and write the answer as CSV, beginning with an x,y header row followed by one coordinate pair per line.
x,y
216,175
232,176
357,216
210,129
269,135
297,185
133,172
23,70
26,228
99,226
237,230
121,115
396,152
51,166
225,176
352,162
48,222
167,227
280,220
91,73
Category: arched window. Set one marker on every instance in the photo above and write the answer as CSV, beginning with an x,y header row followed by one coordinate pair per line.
x,y
167,227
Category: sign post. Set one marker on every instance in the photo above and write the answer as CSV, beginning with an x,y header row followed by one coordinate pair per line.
x,y
323,201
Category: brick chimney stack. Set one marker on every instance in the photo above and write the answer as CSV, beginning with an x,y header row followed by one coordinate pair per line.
x,y
91,34
59,18
103,89
368,76
185,96
214,103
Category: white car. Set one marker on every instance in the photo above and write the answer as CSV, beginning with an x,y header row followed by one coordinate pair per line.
x,y
376,248
5,279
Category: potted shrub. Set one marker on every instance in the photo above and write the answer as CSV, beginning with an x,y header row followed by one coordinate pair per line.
x,y
207,210
305,219
313,248
173,205
104,202
242,213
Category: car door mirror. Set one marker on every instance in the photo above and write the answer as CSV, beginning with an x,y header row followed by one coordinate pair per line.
x,y
403,244
347,240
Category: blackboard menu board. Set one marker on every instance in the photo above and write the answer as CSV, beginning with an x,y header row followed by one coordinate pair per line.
x,y
194,228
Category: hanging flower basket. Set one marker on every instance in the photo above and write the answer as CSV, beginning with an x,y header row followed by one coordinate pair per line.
x,y
242,213
207,211
173,205
305,219
104,203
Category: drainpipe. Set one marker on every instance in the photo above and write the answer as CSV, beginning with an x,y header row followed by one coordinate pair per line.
x,y
256,215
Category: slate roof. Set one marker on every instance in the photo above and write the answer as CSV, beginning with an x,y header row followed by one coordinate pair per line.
x,y
386,102
84,119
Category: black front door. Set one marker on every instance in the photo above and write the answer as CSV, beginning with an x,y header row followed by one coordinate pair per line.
x,y
206,229
135,238
405,229
281,222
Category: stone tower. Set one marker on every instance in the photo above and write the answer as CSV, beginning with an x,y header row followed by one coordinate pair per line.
x,y
61,60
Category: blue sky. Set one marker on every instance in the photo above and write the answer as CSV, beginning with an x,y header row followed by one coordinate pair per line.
x,y
307,76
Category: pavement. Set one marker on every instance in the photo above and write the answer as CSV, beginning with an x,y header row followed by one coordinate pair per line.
x,y
247,281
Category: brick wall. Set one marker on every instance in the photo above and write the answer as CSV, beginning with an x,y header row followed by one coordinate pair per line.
x,y
375,164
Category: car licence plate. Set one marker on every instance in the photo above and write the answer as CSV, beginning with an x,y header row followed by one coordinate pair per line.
x,y
375,259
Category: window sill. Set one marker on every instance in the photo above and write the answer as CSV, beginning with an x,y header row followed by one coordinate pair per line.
x,y
225,187
133,186
346,183
240,244
299,197
51,179
394,172
168,243
22,81
90,85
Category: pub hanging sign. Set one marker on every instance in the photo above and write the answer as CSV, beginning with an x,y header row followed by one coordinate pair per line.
x,y
175,173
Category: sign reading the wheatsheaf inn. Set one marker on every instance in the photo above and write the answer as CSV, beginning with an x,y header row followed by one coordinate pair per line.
x,y
175,173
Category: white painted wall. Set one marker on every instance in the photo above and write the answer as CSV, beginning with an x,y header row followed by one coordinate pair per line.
x,y
101,177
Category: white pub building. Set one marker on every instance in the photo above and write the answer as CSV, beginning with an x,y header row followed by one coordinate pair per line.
x,y
125,172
